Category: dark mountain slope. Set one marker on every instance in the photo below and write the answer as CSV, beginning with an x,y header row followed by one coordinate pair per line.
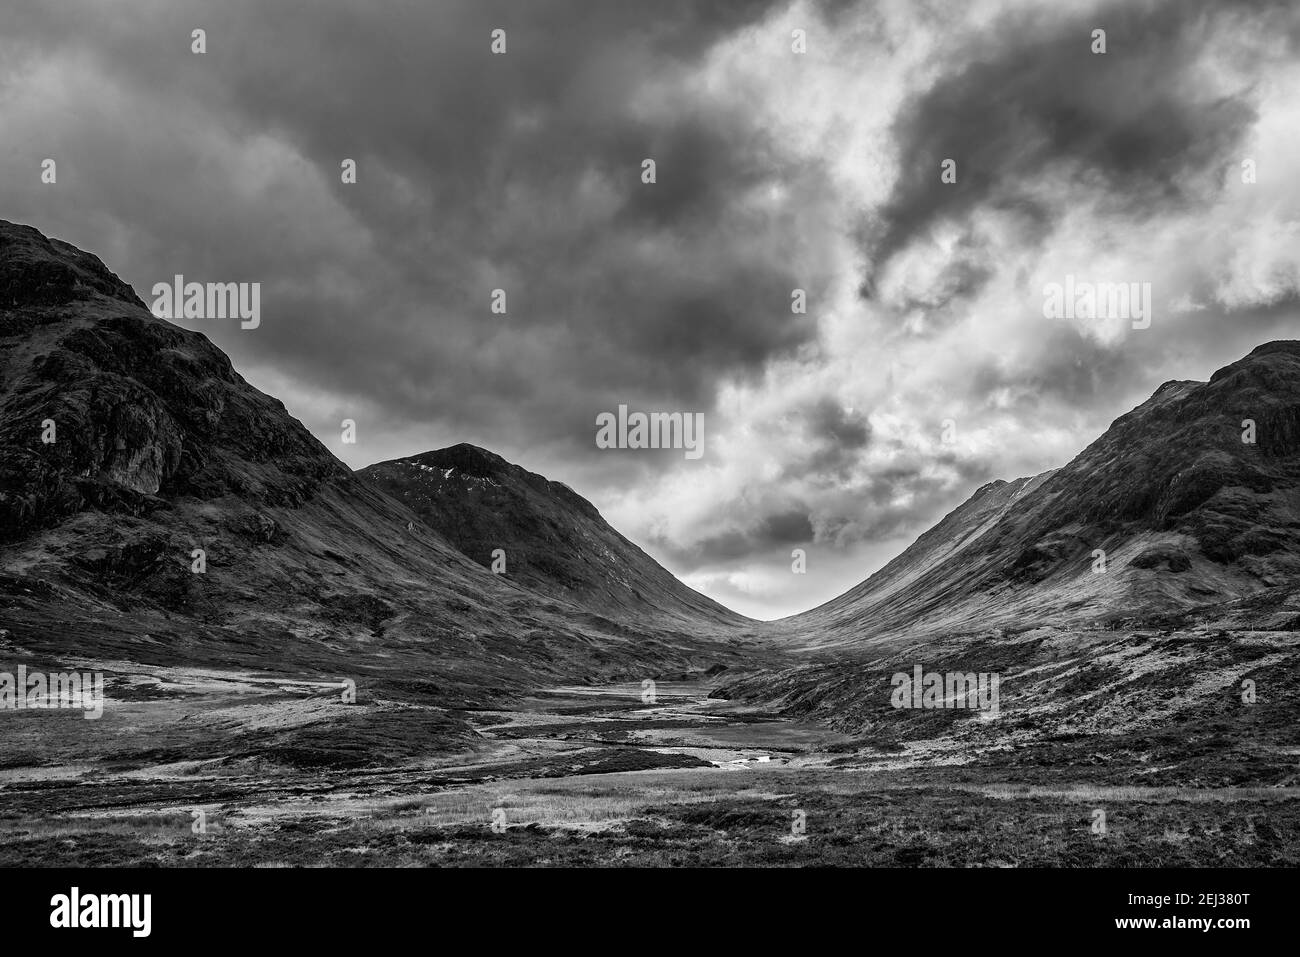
x,y
161,448
144,411
1187,514
958,530
555,541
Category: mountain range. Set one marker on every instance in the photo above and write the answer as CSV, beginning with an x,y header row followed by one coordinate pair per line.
x,y
155,507
160,453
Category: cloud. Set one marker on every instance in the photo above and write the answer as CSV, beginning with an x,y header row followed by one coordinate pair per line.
x,y
1144,123
775,171
476,172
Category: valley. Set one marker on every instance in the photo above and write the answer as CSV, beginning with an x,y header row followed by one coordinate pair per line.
x,y
346,680
197,766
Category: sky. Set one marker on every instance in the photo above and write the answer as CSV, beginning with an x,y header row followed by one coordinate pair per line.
x,y
924,365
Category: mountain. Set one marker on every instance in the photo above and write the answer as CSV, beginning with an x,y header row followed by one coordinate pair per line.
x,y
1187,513
555,541
157,447
1136,673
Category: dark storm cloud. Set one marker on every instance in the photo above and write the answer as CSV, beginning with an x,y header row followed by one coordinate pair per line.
x,y
788,528
1069,369
838,426
599,299
1133,125
840,436
475,172
871,512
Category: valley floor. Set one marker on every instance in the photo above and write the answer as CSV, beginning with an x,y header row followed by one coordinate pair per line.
x,y
205,768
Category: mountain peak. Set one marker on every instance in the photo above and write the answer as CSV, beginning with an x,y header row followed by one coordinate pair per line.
x,y
556,542
39,271
1287,346
1280,354
464,458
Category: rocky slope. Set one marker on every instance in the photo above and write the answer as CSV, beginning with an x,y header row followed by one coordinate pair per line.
x,y
554,541
1187,514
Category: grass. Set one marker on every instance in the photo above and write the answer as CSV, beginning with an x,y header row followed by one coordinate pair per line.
x,y
682,818
292,780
